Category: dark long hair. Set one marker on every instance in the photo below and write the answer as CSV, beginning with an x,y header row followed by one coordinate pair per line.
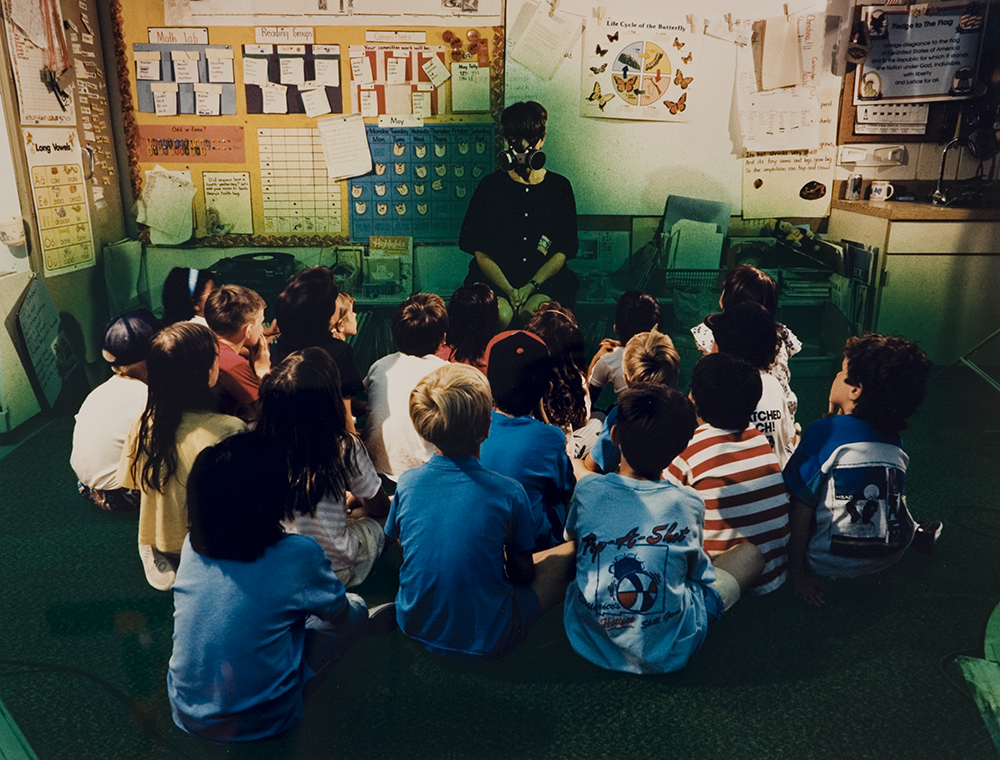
x,y
178,364
236,498
304,309
302,408
473,318
565,404
178,296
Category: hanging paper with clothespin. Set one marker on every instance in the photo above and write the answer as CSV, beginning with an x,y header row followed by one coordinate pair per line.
x,y
543,43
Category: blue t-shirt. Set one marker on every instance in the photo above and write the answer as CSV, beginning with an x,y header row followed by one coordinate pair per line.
x,y
533,454
236,671
453,518
607,456
638,601
855,479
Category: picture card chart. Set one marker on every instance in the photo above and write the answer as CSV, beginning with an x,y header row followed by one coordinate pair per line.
x,y
421,183
298,197
394,79
645,69
292,79
189,79
60,193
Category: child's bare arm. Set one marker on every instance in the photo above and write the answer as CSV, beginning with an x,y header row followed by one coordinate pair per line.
x,y
803,586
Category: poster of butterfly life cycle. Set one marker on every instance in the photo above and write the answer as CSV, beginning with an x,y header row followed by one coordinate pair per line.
x,y
635,69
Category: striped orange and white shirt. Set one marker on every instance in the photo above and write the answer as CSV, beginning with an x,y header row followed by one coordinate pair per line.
x,y
738,476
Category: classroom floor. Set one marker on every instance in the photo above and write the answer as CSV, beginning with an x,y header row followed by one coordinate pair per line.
x,y
85,642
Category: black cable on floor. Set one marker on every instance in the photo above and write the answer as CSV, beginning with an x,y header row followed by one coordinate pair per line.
x,y
143,719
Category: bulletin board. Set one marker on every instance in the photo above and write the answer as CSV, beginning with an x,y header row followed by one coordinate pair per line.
x,y
252,144
629,166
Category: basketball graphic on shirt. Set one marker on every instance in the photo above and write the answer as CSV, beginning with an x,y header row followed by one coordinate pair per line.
x,y
633,587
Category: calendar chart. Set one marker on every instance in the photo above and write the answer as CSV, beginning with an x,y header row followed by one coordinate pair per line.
x,y
298,197
421,181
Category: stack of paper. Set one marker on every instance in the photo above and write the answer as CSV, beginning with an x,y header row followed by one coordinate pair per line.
x,y
165,206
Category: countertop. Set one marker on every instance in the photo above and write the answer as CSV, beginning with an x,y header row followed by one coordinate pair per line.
x,y
918,212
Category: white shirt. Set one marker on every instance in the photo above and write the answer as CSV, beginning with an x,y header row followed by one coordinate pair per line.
x,y
609,370
102,423
392,442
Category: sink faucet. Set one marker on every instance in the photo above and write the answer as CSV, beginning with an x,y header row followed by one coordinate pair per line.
x,y
940,198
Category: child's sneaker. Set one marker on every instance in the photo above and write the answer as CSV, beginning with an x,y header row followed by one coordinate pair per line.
x,y
926,536
381,620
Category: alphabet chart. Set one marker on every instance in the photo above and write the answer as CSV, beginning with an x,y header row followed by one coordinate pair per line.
x,y
422,180
298,197
60,192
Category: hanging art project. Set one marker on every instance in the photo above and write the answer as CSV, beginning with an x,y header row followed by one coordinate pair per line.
x,y
639,70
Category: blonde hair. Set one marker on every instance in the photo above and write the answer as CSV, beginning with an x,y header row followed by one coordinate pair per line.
x,y
451,408
344,303
650,357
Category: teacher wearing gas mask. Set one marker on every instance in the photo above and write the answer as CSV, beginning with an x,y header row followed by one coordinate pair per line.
x,y
520,226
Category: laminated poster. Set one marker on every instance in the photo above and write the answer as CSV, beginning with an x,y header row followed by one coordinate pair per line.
x,y
640,69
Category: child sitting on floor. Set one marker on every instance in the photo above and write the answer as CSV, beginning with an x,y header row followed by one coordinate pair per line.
x,y
473,318
848,475
259,616
645,590
345,321
469,585
747,331
110,409
648,357
419,325
521,446
732,467
236,315
744,284
301,406
636,312
178,422
184,294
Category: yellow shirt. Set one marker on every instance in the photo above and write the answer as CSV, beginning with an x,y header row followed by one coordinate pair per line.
x,y
163,519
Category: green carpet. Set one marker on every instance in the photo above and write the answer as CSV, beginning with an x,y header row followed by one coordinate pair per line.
x,y
84,643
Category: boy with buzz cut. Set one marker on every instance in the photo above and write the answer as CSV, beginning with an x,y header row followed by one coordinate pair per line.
x,y
645,590
520,446
848,475
236,315
729,462
418,326
469,585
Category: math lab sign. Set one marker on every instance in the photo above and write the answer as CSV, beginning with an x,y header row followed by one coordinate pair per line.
x,y
921,56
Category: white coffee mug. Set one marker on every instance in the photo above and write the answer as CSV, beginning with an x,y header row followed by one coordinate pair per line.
x,y
881,190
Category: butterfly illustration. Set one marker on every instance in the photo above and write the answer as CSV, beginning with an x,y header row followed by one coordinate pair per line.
x,y
599,69
601,51
626,85
680,105
682,80
602,100
613,37
687,58
677,43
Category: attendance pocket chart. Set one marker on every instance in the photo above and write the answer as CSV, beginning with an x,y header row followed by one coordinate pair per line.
x,y
421,182
276,76
184,68
639,70
60,193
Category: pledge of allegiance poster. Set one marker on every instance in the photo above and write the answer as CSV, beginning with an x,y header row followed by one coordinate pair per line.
x,y
639,70
920,58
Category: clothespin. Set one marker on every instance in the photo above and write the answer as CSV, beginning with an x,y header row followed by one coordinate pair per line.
x,y
785,7
552,9
690,20
598,12
729,21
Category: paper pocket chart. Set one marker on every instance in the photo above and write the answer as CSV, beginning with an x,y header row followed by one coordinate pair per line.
x,y
186,67
421,181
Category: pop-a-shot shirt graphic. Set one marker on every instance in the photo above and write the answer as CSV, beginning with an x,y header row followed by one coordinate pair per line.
x,y
868,511
626,590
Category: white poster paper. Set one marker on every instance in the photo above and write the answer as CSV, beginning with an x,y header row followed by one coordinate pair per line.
x,y
292,70
220,69
316,102
255,71
207,99
345,146
328,71
470,87
164,98
227,202
540,48
274,98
